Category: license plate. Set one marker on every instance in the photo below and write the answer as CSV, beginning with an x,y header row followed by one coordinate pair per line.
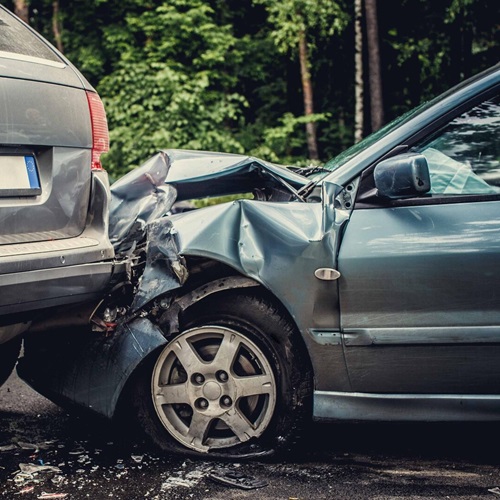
x,y
19,176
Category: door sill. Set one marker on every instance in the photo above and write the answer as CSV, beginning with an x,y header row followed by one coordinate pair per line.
x,y
357,406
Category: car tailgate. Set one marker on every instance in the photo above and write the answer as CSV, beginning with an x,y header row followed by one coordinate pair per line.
x,y
44,128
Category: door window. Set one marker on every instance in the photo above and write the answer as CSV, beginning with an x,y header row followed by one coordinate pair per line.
x,y
464,156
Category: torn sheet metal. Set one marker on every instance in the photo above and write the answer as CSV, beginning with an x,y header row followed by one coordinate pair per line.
x,y
197,174
141,199
165,268
169,320
137,199
149,192
279,245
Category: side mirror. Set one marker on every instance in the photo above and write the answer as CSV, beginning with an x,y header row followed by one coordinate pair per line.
x,y
402,176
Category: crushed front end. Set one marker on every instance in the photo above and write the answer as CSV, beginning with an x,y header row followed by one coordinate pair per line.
x,y
167,262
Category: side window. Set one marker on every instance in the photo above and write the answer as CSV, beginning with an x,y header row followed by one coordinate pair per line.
x,y
464,156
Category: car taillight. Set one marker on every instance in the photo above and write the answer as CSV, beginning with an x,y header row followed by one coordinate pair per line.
x,y
100,135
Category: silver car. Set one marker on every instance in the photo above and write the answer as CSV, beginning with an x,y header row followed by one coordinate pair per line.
x,y
54,245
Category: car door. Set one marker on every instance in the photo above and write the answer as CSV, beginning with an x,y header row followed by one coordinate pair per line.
x,y
420,278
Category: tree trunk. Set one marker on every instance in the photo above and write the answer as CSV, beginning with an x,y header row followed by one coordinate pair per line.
x,y
56,26
342,128
461,47
376,103
312,144
358,72
21,9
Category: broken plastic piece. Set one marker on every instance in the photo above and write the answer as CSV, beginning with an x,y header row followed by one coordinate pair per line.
x,y
46,496
28,472
57,480
78,451
8,447
138,198
495,491
236,479
28,446
28,489
34,468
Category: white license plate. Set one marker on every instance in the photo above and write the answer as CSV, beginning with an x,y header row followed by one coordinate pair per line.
x,y
19,176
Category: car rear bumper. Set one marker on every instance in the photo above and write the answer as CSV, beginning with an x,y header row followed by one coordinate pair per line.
x,y
33,290
26,257
40,274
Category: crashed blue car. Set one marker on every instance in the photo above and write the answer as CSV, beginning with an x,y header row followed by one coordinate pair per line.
x,y
363,290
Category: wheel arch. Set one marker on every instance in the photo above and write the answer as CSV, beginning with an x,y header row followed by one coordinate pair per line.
x,y
279,340
216,278
219,278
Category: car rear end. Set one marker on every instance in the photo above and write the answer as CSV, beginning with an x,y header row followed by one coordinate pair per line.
x,y
54,245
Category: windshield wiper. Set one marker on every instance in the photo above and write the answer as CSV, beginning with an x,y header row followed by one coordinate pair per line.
x,y
307,171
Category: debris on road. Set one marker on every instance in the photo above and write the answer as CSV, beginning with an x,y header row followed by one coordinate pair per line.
x,y
137,458
28,446
236,479
35,468
495,491
47,496
8,447
78,451
186,480
30,472
35,447
28,489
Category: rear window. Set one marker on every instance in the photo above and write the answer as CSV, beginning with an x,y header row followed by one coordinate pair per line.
x,y
16,38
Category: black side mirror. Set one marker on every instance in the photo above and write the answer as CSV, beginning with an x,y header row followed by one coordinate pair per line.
x,y
402,176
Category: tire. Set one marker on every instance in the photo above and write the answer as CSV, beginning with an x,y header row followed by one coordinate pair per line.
x,y
235,383
9,352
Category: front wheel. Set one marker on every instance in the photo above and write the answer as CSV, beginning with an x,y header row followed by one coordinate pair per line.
x,y
235,382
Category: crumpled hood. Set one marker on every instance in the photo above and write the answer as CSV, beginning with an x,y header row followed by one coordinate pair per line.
x,y
150,191
196,174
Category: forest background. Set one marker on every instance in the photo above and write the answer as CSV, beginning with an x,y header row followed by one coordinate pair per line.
x,y
290,81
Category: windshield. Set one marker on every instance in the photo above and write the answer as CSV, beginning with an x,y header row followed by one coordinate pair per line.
x,y
365,143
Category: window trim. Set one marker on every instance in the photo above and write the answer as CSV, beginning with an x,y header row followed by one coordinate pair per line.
x,y
425,200
37,60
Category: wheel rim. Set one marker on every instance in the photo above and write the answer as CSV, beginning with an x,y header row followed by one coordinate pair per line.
x,y
212,387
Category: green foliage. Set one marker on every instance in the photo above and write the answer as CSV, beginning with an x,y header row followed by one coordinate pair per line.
x,y
217,74
286,142
172,86
151,106
456,8
292,17
431,46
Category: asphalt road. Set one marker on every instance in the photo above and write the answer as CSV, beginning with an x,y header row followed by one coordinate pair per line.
x,y
81,458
